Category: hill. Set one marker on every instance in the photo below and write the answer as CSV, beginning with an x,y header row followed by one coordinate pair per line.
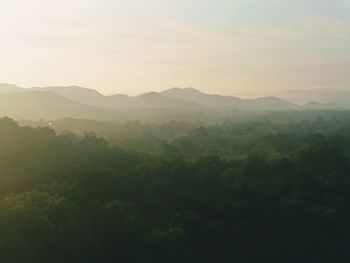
x,y
180,104
156,100
228,102
91,97
321,106
9,88
196,96
268,103
48,105
76,93
338,96
175,98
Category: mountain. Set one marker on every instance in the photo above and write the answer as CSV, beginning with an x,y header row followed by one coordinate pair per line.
x,y
196,96
314,105
338,96
73,101
228,102
76,93
268,103
156,100
46,105
9,88
175,98
93,98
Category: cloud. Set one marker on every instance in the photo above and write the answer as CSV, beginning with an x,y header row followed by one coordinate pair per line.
x,y
137,43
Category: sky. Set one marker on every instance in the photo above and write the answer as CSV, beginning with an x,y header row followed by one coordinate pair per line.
x,y
231,47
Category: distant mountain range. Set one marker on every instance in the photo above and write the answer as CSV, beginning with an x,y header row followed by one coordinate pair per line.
x,y
339,97
74,101
9,88
228,102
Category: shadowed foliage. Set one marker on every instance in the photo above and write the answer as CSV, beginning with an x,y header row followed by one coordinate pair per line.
x,y
177,192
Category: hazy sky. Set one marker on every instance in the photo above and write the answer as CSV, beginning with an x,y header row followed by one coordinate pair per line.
x,y
218,46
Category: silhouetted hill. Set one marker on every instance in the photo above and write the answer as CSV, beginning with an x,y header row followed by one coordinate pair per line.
x,y
268,103
94,98
196,96
73,101
228,102
48,104
9,88
339,96
321,106
156,100
78,94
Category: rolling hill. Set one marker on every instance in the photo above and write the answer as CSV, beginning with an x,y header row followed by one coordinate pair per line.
x,y
151,100
228,102
77,102
338,96
46,105
313,105
76,93
175,98
9,88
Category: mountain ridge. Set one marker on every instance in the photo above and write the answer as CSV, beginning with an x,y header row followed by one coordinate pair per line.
x,y
228,102
9,88
189,99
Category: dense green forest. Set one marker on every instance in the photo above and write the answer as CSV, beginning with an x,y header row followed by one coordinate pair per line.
x,y
251,190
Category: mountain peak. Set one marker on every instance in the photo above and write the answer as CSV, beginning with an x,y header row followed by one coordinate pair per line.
x,y
192,90
182,90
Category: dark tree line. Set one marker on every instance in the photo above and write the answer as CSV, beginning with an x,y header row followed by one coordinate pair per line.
x,y
65,198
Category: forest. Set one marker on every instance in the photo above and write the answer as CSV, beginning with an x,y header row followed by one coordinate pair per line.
x,y
250,190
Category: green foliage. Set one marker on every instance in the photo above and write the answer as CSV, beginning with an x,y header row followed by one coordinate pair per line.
x,y
234,192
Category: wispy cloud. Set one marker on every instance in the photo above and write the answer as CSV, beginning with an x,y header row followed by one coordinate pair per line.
x,y
149,43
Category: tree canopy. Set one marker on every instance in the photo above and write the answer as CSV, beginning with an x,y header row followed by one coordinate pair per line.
x,y
246,192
